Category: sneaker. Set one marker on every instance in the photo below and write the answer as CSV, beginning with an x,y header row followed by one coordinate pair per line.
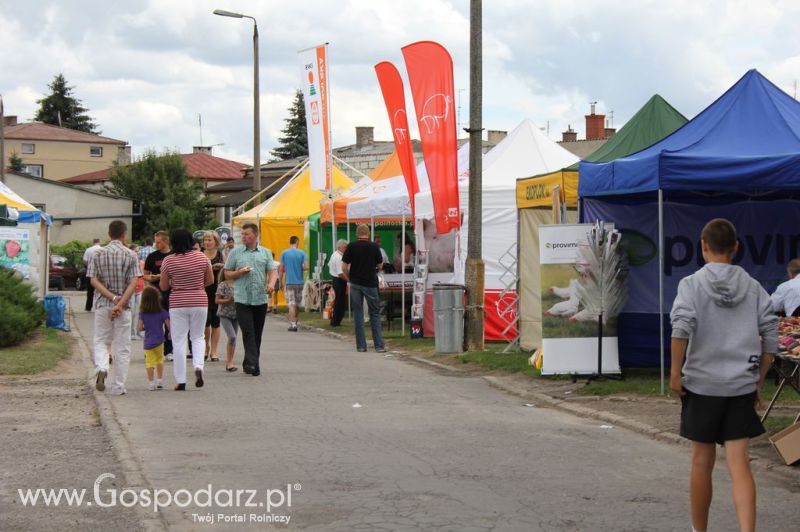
x,y
159,385
361,349
100,383
180,387
293,328
380,349
151,386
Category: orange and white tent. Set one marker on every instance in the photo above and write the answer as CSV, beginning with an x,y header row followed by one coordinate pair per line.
x,y
380,179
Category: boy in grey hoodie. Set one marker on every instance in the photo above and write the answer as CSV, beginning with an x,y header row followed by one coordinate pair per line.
x,y
724,336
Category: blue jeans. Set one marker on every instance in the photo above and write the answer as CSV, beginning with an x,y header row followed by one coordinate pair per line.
x,y
357,295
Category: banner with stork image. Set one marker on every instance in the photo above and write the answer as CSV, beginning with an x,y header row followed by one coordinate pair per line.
x,y
569,324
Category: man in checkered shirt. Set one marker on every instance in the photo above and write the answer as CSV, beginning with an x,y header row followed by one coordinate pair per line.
x,y
114,271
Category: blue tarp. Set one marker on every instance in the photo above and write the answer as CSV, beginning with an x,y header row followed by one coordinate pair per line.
x,y
747,140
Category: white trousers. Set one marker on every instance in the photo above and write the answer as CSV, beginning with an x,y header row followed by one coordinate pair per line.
x,y
191,322
116,335
135,301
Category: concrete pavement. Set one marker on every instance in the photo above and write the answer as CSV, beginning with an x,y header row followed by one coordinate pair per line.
x,y
363,441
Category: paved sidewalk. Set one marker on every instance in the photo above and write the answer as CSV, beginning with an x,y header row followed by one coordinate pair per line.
x,y
370,442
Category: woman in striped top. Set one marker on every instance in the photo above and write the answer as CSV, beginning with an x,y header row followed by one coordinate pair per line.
x,y
186,272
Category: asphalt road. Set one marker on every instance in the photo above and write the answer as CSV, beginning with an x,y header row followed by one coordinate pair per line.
x,y
362,441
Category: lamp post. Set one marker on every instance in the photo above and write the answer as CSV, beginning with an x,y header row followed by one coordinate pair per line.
x,y
2,143
256,106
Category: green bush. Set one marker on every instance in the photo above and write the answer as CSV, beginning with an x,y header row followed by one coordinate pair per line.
x,y
73,251
20,310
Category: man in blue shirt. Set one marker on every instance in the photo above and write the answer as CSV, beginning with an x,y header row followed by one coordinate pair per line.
x,y
293,264
786,298
253,273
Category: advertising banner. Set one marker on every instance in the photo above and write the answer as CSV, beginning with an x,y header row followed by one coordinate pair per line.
x,y
430,74
315,93
569,336
15,252
769,237
394,97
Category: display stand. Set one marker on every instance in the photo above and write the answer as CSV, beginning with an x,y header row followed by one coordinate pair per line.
x,y
418,293
509,314
785,376
603,293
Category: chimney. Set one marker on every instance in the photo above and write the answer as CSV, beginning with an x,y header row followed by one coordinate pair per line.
x,y
123,155
10,120
610,132
570,135
595,124
201,149
495,136
364,136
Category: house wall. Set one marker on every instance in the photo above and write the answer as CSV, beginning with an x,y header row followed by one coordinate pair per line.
x,y
64,159
61,201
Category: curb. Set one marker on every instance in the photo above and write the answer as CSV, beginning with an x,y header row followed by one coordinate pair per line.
x,y
786,472
586,412
131,468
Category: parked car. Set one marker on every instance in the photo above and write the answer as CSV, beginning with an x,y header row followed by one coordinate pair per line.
x,y
63,275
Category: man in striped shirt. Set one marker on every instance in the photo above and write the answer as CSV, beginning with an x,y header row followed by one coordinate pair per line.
x,y
113,272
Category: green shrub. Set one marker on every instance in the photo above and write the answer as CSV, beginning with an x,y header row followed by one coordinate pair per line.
x,y
72,251
20,310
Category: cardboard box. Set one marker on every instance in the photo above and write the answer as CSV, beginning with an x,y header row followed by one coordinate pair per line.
x,y
787,443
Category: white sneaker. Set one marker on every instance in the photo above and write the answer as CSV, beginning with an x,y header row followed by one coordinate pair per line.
x,y
151,386
159,385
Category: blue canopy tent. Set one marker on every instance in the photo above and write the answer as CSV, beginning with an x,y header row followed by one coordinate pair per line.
x,y
740,159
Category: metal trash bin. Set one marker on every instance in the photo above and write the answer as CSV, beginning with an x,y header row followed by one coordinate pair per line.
x,y
448,314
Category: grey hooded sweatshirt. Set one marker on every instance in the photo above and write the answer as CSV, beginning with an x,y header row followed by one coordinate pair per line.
x,y
722,311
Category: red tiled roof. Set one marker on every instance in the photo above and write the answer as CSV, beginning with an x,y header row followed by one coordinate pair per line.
x,y
41,131
92,177
204,166
198,165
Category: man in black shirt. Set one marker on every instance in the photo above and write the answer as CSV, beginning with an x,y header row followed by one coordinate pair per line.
x,y
360,264
152,275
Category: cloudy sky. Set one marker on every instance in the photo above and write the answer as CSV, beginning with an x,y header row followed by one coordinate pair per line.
x,y
147,68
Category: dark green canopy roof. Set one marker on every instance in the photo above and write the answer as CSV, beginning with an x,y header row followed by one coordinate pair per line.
x,y
654,121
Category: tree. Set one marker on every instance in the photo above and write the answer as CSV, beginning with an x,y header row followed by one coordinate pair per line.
x,y
15,163
168,197
294,142
61,102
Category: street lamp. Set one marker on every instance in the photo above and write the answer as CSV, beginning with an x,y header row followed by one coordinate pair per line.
x,y
256,107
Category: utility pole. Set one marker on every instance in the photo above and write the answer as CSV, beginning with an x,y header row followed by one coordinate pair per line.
x,y
474,274
2,143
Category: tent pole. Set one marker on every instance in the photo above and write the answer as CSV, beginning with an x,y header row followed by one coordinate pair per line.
x,y
661,282
349,310
403,275
333,244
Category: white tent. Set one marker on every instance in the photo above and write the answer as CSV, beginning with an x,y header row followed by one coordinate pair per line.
x,y
392,202
524,152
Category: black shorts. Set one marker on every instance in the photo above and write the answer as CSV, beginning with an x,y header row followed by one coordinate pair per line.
x,y
711,419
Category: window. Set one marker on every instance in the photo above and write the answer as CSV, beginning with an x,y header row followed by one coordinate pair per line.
x,y
95,151
28,148
36,170
227,215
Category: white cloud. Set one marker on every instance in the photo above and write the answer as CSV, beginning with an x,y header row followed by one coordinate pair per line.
x,y
147,68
